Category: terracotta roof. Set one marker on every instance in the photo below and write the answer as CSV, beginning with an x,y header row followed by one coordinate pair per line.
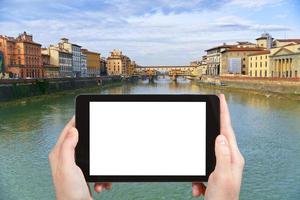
x,y
289,40
263,52
245,49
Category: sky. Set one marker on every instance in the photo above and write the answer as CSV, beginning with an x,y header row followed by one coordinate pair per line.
x,y
153,32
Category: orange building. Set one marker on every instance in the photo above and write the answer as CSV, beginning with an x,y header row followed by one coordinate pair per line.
x,y
22,56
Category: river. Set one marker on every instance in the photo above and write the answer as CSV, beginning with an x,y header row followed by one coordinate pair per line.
x,y
267,131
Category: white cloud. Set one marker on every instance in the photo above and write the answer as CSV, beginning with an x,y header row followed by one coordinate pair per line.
x,y
255,3
157,37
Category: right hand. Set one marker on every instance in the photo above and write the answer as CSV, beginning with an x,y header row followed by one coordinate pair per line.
x,y
224,182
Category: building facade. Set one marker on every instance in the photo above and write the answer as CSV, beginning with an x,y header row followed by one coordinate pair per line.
x,y
76,55
103,66
118,64
235,60
62,58
83,61
285,61
93,62
259,64
22,56
214,57
51,71
265,41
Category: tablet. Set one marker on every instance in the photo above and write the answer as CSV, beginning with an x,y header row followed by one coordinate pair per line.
x,y
147,138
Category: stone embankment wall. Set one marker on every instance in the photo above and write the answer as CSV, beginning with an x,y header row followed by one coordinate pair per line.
x,y
282,85
16,89
272,85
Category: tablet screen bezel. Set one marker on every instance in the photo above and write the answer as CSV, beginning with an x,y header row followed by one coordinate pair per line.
x,y
83,147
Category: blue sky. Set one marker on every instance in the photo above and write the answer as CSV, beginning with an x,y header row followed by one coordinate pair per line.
x,y
151,32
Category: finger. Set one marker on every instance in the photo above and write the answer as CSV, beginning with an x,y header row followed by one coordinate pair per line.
x,y
67,152
223,155
198,189
64,132
98,187
226,128
107,186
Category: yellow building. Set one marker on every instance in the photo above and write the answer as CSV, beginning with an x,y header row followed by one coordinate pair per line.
x,y
119,64
132,67
285,61
259,64
93,62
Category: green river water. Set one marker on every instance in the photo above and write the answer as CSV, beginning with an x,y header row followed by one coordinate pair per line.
x,y
267,130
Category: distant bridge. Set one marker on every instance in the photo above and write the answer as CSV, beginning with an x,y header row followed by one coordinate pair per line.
x,y
173,71
166,68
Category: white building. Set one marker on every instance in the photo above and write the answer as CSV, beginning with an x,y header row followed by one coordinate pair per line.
x,y
76,56
83,69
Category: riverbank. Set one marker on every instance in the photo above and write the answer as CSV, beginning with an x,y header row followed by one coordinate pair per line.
x,y
281,88
19,89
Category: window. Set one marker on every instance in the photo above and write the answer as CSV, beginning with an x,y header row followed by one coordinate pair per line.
x,y
250,72
296,74
260,73
266,73
255,73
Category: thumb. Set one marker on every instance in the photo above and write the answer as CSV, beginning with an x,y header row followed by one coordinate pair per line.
x,y
223,154
67,152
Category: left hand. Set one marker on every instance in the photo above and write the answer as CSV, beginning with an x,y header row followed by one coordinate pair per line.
x,y
68,179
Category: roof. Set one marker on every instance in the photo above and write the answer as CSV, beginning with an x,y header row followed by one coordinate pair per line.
x,y
221,46
87,51
76,45
245,43
289,40
260,53
245,49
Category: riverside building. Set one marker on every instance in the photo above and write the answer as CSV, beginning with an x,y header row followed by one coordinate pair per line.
x,y
51,71
22,56
83,61
285,61
259,64
118,64
61,58
76,55
93,62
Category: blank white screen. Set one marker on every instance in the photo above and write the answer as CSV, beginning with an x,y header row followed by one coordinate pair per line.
x,y
148,138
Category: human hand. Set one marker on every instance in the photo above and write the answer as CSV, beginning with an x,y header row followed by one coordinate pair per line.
x,y
224,182
68,179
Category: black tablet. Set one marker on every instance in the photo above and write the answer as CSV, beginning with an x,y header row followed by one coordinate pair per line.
x,y
147,138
